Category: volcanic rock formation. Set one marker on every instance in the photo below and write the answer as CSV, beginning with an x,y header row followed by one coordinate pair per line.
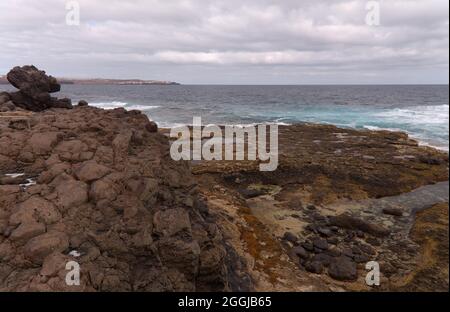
x,y
34,91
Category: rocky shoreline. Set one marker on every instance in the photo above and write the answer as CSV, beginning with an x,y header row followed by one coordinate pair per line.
x,y
99,187
339,199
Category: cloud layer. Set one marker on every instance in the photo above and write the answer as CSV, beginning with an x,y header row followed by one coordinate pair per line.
x,y
231,41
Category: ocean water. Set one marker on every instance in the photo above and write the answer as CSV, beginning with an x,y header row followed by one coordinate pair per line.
x,y
421,111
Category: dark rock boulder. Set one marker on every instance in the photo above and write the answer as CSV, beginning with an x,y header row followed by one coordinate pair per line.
x,y
393,212
61,103
35,87
343,269
31,81
320,243
300,252
4,97
290,237
352,223
315,267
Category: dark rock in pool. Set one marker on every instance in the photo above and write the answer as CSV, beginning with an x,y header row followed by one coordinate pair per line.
x,y
367,249
315,267
251,193
352,223
320,243
325,232
347,252
333,240
343,269
300,252
290,237
333,252
322,258
361,258
308,246
393,212
311,228
373,241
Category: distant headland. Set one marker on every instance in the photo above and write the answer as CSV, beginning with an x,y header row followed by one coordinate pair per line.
x,y
100,81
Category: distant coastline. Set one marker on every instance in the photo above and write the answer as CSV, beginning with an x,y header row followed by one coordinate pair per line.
x,y
99,81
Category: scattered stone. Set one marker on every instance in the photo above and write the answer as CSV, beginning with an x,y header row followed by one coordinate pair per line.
x,y
300,252
322,258
343,269
290,237
367,249
83,103
320,243
333,240
393,212
151,127
361,258
308,246
325,232
373,241
315,267
251,193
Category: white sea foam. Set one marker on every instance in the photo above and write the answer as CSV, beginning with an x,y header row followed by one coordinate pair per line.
x,y
421,139
109,105
127,106
141,107
436,114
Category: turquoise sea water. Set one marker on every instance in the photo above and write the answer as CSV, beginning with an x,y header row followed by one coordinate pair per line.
x,y
422,111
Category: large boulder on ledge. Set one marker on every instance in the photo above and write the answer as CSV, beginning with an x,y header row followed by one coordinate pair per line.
x,y
35,87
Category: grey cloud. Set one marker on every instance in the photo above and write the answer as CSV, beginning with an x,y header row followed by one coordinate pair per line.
x,y
219,41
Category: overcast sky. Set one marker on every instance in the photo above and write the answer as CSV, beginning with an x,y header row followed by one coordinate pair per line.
x,y
231,41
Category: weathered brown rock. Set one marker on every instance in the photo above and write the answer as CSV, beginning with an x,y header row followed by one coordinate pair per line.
x,y
109,191
43,143
90,171
37,209
172,221
39,247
